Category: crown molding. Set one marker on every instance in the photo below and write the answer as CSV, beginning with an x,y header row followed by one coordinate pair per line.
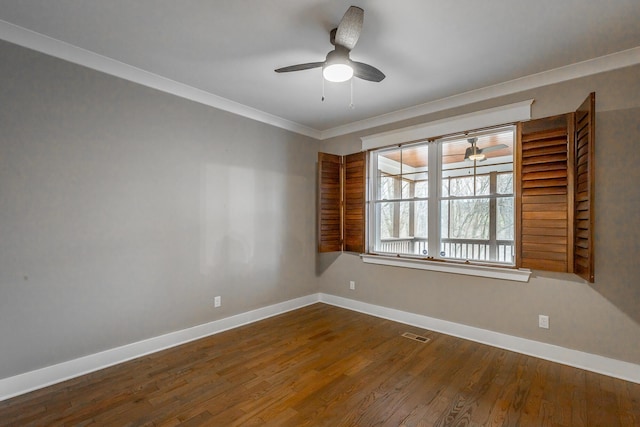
x,y
602,64
66,51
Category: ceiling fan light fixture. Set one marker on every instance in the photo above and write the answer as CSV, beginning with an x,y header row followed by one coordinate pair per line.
x,y
472,154
337,66
337,72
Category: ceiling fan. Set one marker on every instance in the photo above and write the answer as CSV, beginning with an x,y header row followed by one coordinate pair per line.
x,y
475,153
338,67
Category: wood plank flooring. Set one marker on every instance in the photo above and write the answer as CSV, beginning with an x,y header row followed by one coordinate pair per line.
x,y
327,366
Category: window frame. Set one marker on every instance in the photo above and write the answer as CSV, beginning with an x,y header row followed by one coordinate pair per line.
x,y
434,201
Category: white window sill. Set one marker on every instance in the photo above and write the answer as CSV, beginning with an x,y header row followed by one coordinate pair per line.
x,y
518,275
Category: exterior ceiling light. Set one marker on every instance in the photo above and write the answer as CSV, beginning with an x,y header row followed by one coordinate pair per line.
x,y
472,153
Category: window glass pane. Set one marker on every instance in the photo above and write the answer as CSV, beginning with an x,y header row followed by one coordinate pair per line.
x,y
422,188
475,169
387,220
385,213
414,176
421,219
388,170
386,188
402,227
504,218
444,219
478,251
414,169
466,186
415,159
461,187
505,183
468,219
445,187
398,219
399,169
482,185
453,154
406,190
405,219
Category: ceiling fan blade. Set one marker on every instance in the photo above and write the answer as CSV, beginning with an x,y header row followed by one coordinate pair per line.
x,y
492,148
350,27
299,67
367,72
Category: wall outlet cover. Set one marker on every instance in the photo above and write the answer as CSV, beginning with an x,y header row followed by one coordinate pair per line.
x,y
543,321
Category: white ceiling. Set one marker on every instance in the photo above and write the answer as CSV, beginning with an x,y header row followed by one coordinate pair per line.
x,y
435,54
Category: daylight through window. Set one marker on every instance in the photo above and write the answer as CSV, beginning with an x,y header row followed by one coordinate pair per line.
x,y
448,199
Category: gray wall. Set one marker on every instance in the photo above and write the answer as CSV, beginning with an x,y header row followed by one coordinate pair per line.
x,y
124,211
602,318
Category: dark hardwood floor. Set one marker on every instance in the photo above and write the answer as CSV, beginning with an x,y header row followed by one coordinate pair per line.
x,y
327,366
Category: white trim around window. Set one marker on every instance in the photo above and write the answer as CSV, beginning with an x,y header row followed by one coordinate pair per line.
x,y
497,116
514,274
481,119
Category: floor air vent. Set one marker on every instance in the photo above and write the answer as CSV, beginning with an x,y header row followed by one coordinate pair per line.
x,y
415,337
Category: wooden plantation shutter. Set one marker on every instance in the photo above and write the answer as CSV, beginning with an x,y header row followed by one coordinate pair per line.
x,y
584,188
543,193
329,203
354,201
341,202
554,192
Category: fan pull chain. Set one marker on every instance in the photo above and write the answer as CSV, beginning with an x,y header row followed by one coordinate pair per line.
x,y
351,105
322,86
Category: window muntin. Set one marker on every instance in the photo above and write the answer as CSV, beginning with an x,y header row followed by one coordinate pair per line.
x,y
472,215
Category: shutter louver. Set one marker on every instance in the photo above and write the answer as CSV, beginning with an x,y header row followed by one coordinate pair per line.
x,y
543,194
584,188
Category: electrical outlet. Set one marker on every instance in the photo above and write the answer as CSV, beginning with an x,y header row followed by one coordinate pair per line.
x,y
217,301
352,285
543,321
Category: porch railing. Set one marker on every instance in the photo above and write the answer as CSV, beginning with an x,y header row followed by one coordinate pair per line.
x,y
471,249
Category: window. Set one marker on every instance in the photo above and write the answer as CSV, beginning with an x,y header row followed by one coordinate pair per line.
x,y
434,200
518,195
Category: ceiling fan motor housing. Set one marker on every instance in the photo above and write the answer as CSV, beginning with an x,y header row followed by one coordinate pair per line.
x,y
338,56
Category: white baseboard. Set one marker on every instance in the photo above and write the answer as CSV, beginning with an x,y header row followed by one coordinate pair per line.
x,y
33,380
578,359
